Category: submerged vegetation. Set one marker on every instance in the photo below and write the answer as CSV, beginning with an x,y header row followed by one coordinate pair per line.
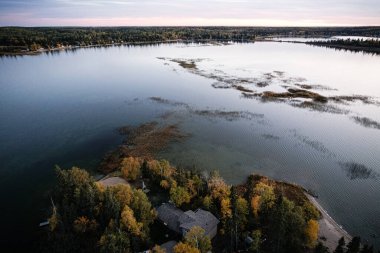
x,y
118,213
366,122
143,141
358,171
277,86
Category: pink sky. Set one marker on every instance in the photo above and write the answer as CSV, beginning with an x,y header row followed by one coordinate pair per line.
x,y
189,12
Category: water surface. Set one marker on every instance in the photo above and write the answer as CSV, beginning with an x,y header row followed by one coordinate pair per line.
x,y
63,108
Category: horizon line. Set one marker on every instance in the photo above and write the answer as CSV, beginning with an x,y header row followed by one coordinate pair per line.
x,y
175,26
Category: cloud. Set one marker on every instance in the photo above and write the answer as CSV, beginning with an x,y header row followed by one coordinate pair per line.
x,y
189,12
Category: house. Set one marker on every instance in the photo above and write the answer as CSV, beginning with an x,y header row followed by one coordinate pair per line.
x,y
181,222
168,246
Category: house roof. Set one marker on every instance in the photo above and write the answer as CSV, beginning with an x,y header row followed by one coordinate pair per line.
x,y
168,246
201,218
169,214
178,220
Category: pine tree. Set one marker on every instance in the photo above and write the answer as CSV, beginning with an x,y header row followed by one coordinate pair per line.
x,y
340,247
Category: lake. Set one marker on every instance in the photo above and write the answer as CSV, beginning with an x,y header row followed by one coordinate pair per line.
x,y
62,108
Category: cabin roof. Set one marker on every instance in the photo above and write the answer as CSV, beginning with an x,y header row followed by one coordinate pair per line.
x,y
178,220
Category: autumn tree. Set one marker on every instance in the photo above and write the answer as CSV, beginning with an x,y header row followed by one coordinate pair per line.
x,y
160,169
185,248
207,202
263,198
179,195
130,167
143,210
129,222
158,249
217,187
225,209
122,192
196,238
311,233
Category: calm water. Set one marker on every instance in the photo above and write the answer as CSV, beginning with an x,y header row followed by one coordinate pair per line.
x,y
63,108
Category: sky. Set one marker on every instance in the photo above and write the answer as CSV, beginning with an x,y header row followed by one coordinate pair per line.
x,y
189,12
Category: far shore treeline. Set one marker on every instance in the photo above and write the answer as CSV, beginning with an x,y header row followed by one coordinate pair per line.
x,y
24,40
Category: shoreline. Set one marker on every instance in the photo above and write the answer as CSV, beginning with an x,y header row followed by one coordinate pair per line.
x,y
70,47
328,227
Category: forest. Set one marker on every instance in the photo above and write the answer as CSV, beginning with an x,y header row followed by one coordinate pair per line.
x,y
370,45
260,215
23,40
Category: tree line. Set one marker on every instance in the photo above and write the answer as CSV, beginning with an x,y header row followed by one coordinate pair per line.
x,y
366,45
23,39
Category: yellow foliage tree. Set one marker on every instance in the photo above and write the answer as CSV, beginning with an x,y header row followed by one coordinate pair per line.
x,y
225,208
179,195
207,202
158,249
185,248
311,233
165,184
255,205
160,168
130,167
123,193
242,211
218,187
129,222
267,195
196,238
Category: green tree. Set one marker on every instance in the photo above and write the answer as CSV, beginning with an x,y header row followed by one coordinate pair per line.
x,y
287,224
114,241
179,195
143,210
256,243
320,248
310,211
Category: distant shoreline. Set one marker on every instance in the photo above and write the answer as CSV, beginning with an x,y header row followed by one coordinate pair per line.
x,y
70,47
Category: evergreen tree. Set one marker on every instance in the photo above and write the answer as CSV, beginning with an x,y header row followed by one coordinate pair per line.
x,y
320,248
354,245
340,247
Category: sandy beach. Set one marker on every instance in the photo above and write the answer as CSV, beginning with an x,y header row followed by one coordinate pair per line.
x,y
328,228
111,181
